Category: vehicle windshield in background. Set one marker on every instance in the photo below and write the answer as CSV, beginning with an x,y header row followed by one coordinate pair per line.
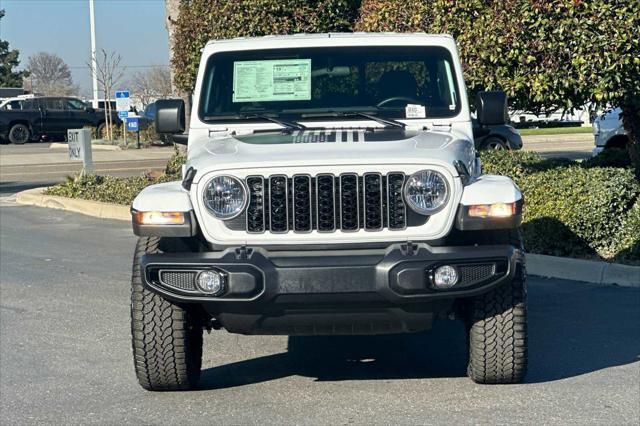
x,y
391,82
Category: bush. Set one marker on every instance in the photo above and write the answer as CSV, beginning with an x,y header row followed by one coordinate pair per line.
x,y
573,209
612,157
174,166
108,189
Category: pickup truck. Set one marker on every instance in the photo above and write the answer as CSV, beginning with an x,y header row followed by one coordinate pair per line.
x,y
27,119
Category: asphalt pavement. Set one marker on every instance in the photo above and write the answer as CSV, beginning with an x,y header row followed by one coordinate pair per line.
x,y
65,355
35,164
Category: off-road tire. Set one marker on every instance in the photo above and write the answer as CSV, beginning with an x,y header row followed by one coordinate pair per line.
x,y
166,338
497,326
19,134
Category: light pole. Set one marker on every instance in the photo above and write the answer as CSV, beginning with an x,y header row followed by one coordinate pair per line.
x,y
94,65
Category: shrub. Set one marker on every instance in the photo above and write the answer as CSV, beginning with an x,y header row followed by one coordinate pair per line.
x,y
572,209
174,165
612,157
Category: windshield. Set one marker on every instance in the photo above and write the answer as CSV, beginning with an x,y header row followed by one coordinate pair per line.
x,y
392,82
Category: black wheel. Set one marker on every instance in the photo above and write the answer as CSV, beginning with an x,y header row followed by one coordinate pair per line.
x,y
494,144
166,338
100,130
19,134
497,326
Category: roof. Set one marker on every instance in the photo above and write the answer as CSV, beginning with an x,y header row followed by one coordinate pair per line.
x,y
321,36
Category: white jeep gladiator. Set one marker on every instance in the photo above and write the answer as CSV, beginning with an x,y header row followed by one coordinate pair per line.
x,y
331,187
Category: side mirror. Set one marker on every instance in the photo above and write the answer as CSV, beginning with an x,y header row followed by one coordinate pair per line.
x,y
170,116
491,108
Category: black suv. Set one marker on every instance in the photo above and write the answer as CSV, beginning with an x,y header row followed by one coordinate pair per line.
x,y
24,120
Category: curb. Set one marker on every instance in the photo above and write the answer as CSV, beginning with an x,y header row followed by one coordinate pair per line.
x,y
35,197
94,147
590,271
595,272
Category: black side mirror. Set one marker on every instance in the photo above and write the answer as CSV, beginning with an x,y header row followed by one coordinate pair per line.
x,y
170,116
491,108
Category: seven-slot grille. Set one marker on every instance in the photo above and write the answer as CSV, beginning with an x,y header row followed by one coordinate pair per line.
x,y
326,203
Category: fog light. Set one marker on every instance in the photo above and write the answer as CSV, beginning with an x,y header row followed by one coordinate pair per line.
x,y
210,282
445,276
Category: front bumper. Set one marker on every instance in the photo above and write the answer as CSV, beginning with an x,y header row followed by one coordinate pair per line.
x,y
330,291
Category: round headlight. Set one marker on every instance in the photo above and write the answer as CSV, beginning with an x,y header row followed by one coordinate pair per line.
x,y
225,197
426,191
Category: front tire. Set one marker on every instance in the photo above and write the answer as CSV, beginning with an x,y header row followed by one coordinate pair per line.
x,y
166,338
498,333
19,134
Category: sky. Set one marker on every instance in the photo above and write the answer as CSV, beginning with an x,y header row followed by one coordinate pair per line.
x,y
133,28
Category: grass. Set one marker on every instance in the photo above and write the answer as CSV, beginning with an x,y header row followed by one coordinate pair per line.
x,y
555,131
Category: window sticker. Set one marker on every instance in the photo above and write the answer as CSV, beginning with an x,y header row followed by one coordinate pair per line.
x,y
272,80
415,111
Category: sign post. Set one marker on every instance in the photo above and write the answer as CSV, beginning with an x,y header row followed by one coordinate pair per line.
x,y
123,104
80,148
133,125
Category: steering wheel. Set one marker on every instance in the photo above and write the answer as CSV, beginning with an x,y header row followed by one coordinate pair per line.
x,y
397,98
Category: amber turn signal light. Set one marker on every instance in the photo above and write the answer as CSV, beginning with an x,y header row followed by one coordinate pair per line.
x,y
159,218
492,210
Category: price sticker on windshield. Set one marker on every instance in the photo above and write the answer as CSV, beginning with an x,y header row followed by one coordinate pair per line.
x,y
415,111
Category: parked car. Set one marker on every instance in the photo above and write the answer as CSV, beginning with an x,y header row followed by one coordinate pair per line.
x,y
608,131
331,187
495,136
24,120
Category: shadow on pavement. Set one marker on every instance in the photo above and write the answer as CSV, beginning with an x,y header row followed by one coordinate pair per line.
x,y
7,188
574,329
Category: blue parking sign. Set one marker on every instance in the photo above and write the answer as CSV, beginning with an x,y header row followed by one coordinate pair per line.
x,y
132,124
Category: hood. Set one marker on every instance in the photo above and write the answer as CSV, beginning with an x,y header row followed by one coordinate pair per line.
x,y
325,147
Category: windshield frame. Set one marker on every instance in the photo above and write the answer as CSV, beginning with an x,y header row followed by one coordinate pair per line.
x,y
303,114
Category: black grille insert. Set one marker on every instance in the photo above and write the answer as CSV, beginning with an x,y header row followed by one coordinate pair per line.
x,y
326,203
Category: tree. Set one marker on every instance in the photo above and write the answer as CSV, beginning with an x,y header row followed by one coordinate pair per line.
x,y
547,55
152,84
49,75
9,61
109,73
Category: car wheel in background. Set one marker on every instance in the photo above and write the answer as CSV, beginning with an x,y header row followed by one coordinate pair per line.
x,y
494,144
19,134
100,130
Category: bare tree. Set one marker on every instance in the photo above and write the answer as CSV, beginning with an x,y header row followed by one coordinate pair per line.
x,y
49,75
109,73
152,84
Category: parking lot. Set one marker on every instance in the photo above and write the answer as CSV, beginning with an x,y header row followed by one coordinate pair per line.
x,y
65,354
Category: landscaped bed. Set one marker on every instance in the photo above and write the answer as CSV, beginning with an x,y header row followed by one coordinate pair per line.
x,y
588,209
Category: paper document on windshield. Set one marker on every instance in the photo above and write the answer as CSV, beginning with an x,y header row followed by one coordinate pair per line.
x,y
415,111
272,80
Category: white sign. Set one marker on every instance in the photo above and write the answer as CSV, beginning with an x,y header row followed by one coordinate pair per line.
x,y
415,111
123,102
79,141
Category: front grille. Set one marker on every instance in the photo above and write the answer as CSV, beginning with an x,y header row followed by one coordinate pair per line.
x,y
325,203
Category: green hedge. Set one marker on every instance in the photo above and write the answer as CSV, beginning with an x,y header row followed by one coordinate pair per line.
x,y
574,209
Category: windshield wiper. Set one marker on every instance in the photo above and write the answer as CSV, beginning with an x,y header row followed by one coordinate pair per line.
x,y
288,125
386,121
